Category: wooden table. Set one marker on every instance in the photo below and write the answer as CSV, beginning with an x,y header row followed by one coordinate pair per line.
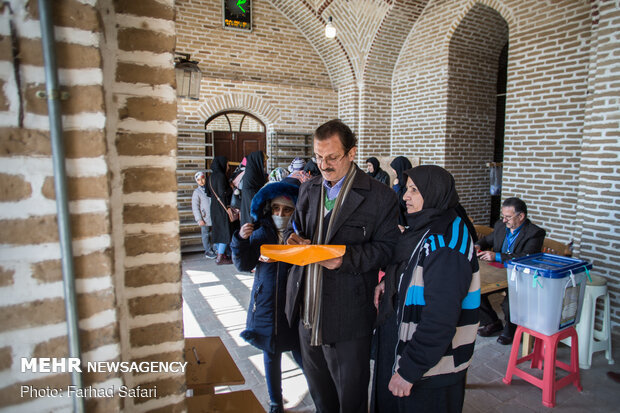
x,y
234,402
492,278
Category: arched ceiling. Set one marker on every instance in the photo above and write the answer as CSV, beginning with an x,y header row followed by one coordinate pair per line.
x,y
370,34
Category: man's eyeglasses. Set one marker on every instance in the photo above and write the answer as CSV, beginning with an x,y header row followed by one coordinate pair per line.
x,y
328,160
508,217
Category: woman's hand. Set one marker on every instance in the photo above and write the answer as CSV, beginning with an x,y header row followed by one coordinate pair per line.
x,y
399,386
379,290
246,230
202,223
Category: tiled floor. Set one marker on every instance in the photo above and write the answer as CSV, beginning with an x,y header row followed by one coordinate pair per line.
x,y
215,303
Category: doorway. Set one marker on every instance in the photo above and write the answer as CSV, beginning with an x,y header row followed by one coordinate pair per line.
x,y
500,120
236,134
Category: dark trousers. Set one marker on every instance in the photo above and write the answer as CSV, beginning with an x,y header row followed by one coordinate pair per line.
x,y
488,315
273,373
424,399
337,374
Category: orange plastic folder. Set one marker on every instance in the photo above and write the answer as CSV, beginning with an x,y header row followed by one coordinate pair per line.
x,y
302,254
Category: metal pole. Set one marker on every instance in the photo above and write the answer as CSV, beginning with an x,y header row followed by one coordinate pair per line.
x,y
60,186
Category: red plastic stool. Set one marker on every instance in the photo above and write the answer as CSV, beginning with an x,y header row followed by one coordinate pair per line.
x,y
545,354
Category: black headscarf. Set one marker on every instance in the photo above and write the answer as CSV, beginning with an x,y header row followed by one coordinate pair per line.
x,y
219,165
400,164
438,189
375,166
254,177
312,168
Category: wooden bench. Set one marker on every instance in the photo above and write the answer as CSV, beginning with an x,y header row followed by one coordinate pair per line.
x,y
482,230
551,246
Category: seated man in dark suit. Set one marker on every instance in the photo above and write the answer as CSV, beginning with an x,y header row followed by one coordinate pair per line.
x,y
514,236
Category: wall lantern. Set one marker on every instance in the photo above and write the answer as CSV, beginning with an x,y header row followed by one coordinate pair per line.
x,y
330,29
188,76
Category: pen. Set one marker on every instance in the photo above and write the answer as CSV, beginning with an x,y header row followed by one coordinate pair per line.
x,y
295,228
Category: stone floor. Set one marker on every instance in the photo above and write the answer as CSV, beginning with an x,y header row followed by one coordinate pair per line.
x,y
215,303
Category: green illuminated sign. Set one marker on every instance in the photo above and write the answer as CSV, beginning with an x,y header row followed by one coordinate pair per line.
x,y
237,14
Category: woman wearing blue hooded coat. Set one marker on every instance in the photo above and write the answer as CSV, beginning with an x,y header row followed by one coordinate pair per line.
x,y
267,327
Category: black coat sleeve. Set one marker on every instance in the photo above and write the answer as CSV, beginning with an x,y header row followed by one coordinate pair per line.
x,y
245,254
377,252
487,242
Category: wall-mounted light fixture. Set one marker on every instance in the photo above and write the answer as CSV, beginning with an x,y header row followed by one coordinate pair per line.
x,y
188,76
330,29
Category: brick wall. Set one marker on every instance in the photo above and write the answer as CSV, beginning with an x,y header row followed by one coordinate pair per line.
x,y
119,122
375,124
560,111
31,289
273,72
141,138
473,61
599,164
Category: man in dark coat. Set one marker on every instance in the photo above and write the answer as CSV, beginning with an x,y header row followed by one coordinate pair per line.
x,y
334,298
514,236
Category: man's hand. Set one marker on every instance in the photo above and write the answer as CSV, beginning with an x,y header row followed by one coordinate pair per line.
x,y
332,263
202,223
486,255
379,290
295,239
246,230
399,386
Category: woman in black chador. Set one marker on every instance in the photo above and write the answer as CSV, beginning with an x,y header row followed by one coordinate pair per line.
x,y
220,200
253,180
399,165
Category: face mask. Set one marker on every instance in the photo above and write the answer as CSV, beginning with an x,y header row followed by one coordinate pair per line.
x,y
280,222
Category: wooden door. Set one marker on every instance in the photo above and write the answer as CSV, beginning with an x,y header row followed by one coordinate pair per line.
x,y
248,142
224,145
236,145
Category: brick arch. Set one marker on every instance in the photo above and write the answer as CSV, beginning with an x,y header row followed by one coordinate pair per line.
x,y
389,40
474,47
311,24
246,102
504,11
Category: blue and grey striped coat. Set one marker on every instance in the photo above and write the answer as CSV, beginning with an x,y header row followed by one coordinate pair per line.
x,y
439,297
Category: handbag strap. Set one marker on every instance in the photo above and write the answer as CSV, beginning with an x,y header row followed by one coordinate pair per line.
x,y
217,197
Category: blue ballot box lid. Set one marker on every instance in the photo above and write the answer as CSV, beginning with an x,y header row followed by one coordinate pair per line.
x,y
548,265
